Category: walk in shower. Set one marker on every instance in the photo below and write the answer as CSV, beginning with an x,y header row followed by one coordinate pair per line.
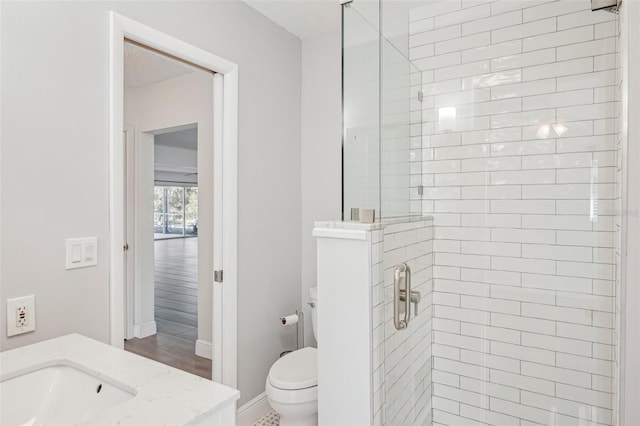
x,y
491,126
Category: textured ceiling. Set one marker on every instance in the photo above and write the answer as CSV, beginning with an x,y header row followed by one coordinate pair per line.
x,y
144,66
303,18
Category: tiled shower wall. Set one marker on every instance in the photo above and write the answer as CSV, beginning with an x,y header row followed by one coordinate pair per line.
x,y
621,87
402,358
522,186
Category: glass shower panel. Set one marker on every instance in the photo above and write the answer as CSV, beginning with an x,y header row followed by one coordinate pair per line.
x,y
369,11
382,122
361,113
394,22
401,130
513,152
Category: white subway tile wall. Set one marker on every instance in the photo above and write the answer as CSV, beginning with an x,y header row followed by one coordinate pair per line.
x,y
402,358
522,185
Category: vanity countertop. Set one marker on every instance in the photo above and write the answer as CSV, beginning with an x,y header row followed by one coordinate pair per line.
x,y
164,395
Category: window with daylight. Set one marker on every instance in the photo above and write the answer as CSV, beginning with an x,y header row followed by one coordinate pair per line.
x,y
175,211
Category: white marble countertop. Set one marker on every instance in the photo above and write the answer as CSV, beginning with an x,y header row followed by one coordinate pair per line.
x,y
164,395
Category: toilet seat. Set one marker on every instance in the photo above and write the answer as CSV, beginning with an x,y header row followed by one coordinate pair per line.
x,y
291,396
295,371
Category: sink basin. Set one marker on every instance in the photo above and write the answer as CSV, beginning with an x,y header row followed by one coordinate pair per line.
x,y
59,394
75,380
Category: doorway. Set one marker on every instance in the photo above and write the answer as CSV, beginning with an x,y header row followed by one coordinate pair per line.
x,y
168,288
223,250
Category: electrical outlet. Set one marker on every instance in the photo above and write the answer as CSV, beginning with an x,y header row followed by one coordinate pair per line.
x,y
22,318
21,315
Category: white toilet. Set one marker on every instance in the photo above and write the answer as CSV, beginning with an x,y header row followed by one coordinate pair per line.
x,y
292,383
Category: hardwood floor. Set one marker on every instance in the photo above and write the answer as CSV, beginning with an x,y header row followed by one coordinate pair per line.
x,y
171,350
176,285
176,309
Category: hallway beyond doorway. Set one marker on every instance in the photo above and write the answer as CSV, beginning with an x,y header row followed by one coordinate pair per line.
x,y
176,308
176,287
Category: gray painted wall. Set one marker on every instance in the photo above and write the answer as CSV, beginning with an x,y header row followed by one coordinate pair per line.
x,y
54,163
321,147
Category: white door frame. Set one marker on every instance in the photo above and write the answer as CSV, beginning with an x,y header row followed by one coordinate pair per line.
x,y
128,222
225,200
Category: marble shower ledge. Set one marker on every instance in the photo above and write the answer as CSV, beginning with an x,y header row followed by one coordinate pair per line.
x,y
358,226
164,395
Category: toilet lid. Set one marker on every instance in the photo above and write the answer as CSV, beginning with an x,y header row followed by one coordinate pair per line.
x,y
297,370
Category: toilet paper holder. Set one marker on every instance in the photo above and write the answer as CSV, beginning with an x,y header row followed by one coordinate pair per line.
x,y
285,321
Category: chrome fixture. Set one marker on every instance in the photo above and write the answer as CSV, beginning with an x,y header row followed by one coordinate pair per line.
x,y
367,215
402,288
415,299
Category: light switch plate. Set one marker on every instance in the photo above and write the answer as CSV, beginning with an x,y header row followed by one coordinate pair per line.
x,y
21,315
81,252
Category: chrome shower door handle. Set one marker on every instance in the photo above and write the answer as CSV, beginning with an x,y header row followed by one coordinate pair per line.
x,y
401,287
397,278
407,293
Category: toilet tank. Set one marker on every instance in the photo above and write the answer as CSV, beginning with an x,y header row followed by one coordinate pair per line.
x,y
313,299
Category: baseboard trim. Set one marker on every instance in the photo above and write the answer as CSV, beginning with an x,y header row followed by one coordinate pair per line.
x,y
144,330
253,410
204,349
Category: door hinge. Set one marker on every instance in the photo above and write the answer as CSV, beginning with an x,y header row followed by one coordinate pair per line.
x,y
218,276
125,247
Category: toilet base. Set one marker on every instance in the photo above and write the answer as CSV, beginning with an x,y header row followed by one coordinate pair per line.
x,y
296,414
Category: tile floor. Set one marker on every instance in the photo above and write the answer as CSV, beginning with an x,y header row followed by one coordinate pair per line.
x,y
270,419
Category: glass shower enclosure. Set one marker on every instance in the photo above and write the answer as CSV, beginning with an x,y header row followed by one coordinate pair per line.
x,y
382,125
494,122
